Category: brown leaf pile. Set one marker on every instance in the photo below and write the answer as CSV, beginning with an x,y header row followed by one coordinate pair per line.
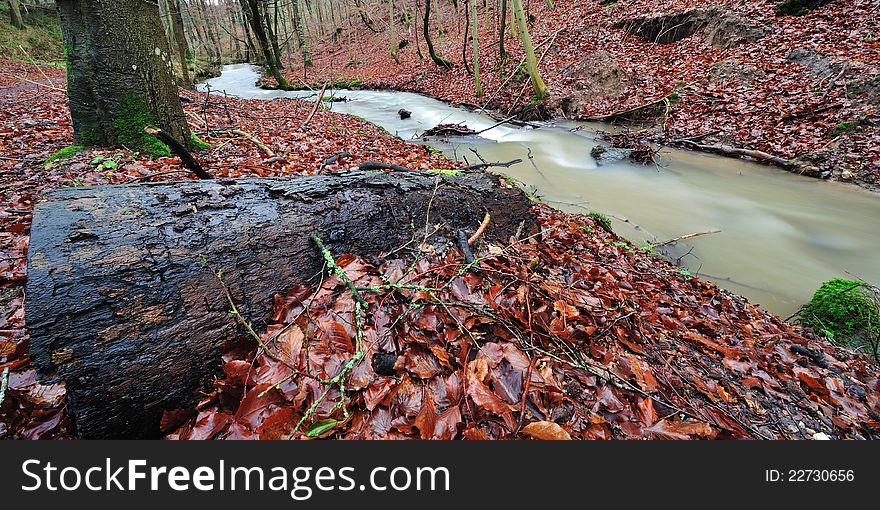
x,y
564,336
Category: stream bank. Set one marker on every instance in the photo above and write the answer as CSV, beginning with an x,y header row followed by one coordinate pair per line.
x,y
726,72
781,235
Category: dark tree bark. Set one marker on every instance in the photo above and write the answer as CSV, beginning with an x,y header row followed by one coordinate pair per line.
x,y
251,9
123,303
175,21
271,32
440,61
120,77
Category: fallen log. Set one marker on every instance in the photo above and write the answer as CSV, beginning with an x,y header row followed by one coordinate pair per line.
x,y
123,300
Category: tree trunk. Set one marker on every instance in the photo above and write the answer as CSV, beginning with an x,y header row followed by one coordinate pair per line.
x,y
119,83
301,34
15,14
503,21
541,90
476,48
393,34
440,61
123,299
176,23
273,37
252,13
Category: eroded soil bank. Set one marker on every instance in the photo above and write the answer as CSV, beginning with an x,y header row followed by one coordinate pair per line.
x,y
709,72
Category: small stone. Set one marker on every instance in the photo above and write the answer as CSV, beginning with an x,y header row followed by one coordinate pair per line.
x,y
846,175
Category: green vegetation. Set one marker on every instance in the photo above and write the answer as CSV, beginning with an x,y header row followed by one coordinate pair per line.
x,y
40,37
845,312
444,171
601,220
106,162
841,128
65,153
134,113
198,142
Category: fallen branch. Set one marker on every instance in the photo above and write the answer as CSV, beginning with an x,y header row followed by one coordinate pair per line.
x,y
729,150
177,148
244,134
686,236
314,108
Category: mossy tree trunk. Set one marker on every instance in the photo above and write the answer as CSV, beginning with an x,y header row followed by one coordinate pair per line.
x,y
15,14
300,30
439,60
119,74
476,48
393,31
271,32
502,22
541,90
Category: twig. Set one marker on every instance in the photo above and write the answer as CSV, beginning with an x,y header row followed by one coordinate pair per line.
x,y
244,134
686,236
314,108
188,160
482,228
235,313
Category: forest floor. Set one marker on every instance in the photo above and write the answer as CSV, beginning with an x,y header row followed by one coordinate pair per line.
x,y
796,87
574,333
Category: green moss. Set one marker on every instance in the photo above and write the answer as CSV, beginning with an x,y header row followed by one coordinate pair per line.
x,y
133,114
444,171
843,312
841,128
65,153
198,142
89,136
601,220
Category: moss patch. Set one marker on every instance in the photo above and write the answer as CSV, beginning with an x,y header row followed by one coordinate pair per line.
x,y
198,142
601,220
134,113
65,153
842,311
444,171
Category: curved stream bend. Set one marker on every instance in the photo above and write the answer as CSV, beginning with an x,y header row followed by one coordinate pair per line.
x,y
781,235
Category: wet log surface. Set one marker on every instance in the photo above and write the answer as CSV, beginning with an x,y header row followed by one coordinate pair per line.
x,y
123,300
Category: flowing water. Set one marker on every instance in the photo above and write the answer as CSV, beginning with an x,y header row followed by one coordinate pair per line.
x,y
781,235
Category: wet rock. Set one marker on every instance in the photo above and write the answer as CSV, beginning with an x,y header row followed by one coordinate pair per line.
x,y
846,175
721,29
404,114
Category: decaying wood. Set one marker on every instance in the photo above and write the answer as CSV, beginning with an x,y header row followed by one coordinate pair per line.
x,y
123,303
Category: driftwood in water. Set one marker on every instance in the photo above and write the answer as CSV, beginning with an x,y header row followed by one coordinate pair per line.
x,y
125,307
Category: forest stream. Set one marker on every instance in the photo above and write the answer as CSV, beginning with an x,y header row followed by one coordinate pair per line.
x,y
781,235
